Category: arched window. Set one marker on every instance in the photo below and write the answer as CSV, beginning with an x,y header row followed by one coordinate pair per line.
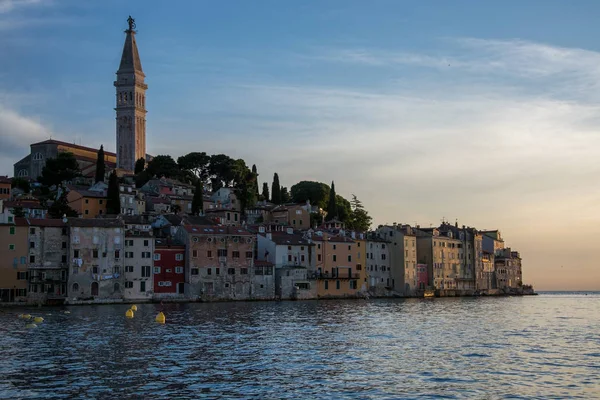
x,y
75,287
38,156
131,96
23,172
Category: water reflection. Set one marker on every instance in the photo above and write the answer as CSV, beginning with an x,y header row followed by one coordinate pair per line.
x,y
532,347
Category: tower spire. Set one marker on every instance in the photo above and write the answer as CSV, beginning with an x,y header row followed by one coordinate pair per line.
x,y
131,104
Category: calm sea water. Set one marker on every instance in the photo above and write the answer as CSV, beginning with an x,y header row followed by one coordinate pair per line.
x,y
544,347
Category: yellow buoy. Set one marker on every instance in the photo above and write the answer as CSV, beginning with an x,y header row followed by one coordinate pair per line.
x,y
20,316
38,320
26,316
67,312
134,307
129,313
160,318
29,326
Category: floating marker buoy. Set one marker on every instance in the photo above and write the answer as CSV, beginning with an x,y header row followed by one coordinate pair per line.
x,y
129,313
29,326
67,312
20,316
26,316
38,320
160,318
134,307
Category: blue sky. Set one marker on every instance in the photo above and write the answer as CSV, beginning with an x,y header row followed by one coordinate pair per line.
x,y
485,112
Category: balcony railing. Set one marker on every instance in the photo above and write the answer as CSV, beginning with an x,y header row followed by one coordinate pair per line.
x,y
326,275
51,266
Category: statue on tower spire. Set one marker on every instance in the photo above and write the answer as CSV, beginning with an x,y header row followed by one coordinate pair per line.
x,y
131,23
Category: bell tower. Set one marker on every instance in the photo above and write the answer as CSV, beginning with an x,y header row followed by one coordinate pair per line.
x,y
131,104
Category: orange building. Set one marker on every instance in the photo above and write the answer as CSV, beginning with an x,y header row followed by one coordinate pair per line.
x,y
87,203
14,248
336,265
5,183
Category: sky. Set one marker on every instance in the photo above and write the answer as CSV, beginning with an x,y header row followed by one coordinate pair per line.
x,y
485,113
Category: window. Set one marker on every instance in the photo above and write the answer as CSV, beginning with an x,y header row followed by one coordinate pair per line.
x,y
87,202
32,231
23,260
209,271
75,287
156,256
64,245
129,268
12,230
128,242
337,285
117,254
358,267
179,257
195,253
142,286
75,253
349,258
231,271
353,285
326,285
157,270
222,252
146,254
349,247
11,246
383,256
318,245
289,257
179,270
128,285
318,257
334,246
235,254
145,271
146,243
10,219
21,276
94,253
302,258
289,247
31,259
95,269
244,271
116,269
334,258
194,271
217,271
358,244
248,254
129,254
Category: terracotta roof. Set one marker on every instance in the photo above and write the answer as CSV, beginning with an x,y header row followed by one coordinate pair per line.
x,y
5,179
288,239
162,243
46,223
75,146
85,192
95,222
23,203
216,230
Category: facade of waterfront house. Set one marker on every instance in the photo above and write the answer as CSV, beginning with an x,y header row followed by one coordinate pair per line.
x,y
96,257
292,283
441,253
14,247
361,260
48,260
422,279
138,254
403,257
5,187
468,257
87,203
507,267
336,266
378,267
220,262
169,268
488,275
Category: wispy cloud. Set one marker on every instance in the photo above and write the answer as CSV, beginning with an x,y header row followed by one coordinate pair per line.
x,y
7,6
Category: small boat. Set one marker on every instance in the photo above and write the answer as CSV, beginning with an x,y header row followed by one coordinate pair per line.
x,y
429,293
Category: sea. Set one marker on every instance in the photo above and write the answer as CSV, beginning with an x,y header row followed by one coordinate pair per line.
x,y
531,347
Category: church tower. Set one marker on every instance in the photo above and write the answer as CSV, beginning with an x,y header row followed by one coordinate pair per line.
x,y
131,104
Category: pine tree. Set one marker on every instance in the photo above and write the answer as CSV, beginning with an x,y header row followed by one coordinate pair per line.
x,y
255,173
276,190
100,167
332,211
113,205
265,191
198,201
359,219
140,165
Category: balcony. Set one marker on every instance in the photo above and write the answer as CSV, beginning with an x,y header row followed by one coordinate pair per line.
x,y
326,275
51,266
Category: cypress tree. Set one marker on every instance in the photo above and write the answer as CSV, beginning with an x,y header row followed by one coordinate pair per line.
x,y
100,167
113,205
332,205
276,190
255,173
197,201
140,164
265,192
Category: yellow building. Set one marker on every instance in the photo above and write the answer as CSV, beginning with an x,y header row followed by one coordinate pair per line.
x,y
14,249
87,203
361,261
337,266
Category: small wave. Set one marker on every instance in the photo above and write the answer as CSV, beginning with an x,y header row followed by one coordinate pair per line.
x,y
476,355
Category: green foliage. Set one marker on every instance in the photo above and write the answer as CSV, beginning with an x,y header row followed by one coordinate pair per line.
x,y
223,170
196,163
255,173
113,205
197,201
315,192
62,168
265,191
100,167
140,164
285,195
359,219
244,184
332,208
344,209
176,208
276,190
18,212
163,165
61,207
20,183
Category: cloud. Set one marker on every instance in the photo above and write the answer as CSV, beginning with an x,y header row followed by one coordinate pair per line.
x,y
17,132
7,6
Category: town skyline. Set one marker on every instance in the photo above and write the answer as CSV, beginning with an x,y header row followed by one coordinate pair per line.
x,y
511,141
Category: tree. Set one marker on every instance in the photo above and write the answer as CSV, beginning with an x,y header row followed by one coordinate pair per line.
x,y
100,167
359,219
344,209
18,212
140,165
222,171
315,192
62,168
198,200
163,165
285,195
265,191
61,208
197,163
113,204
276,190
255,173
176,208
20,183
332,210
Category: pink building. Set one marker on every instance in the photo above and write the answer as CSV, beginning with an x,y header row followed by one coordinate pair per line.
x,y
422,276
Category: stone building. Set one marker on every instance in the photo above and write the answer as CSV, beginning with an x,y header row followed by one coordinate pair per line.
x,y
130,104
441,252
335,264
507,268
139,253
14,251
295,215
220,263
379,272
403,257
48,260
96,258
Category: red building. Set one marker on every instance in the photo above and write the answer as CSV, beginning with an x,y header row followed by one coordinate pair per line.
x,y
169,268
422,276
